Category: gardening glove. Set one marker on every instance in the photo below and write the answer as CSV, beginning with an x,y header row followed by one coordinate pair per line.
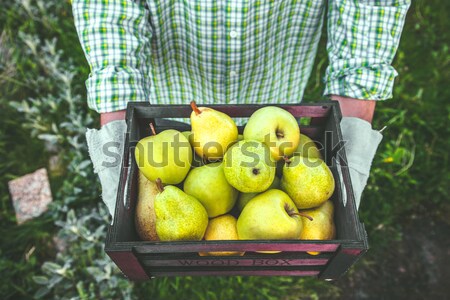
x,y
361,144
106,150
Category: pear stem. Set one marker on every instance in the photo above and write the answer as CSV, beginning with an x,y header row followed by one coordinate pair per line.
x,y
195,108
159,185
152,128
286,160
301,215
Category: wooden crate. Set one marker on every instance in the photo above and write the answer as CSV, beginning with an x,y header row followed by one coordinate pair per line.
x,y
141,260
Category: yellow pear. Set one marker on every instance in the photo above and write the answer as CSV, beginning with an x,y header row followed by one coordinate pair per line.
x,y
188,135
307,148
221,228
209,186
179,216
271,215
308,181
213,132
276,127
166,155
145,217
249,167
322,226
244,198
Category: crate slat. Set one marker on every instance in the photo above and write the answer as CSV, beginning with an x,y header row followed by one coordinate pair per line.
x,y
235,273
144,110
282,245
232,261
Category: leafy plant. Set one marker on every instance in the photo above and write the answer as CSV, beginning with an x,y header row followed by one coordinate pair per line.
x,y
81,270
54,116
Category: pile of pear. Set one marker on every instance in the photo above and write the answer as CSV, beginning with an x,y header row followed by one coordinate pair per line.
x,y
211,183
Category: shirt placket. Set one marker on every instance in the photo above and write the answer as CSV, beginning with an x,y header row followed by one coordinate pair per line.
x,y
233,45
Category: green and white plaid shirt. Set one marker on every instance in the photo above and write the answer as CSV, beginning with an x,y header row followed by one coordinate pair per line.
x,y
243,51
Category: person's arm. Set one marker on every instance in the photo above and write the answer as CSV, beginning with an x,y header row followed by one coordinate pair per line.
x,y
363,37
105,118
115,36
351,107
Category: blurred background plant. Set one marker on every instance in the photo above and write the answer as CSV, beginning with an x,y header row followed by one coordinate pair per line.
x,y
43,116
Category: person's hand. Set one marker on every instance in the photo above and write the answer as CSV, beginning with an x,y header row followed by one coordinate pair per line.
x,y
361,141
106,150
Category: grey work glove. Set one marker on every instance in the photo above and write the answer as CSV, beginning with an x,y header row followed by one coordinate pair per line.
x,y
361,144
106,150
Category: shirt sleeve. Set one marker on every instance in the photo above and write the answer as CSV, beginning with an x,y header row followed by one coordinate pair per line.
x,y
115,36
363,37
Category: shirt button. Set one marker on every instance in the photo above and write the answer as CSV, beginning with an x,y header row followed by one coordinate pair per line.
x,y
233,73
233,34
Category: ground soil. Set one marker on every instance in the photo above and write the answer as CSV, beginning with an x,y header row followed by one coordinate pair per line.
x,y
416,267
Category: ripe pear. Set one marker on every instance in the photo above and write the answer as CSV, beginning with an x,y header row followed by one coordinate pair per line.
x,y
221,228
307,148
213,132
188,134
167,155
196,160
209,186
308,181
145,217
270,215
276,127
179,216
244,198
322,226
249,167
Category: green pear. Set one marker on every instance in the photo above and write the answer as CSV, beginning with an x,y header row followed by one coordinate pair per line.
x,y
167,155
270,215
213,132
240,137
249,167
276,127
308,181
145,217
188,134
209,186
307,148
322,226
244,198
179,216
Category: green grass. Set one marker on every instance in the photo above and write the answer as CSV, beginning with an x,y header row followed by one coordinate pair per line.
x,y
409,176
